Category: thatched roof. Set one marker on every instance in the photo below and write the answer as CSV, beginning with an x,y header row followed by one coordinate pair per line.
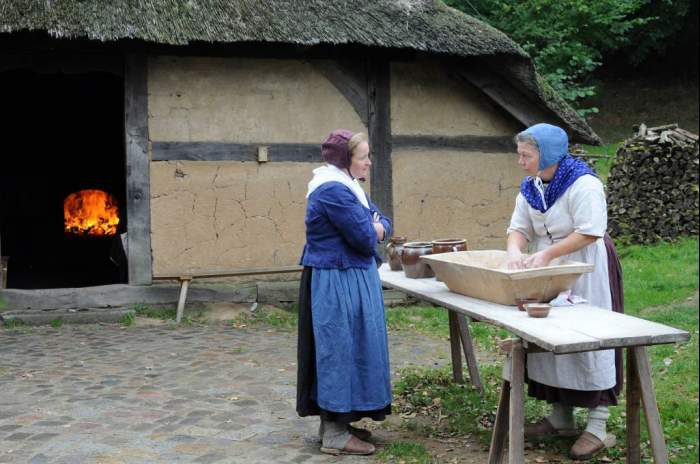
x,y
421,25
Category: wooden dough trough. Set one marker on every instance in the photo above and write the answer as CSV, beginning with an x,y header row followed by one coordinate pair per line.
x,y
484,274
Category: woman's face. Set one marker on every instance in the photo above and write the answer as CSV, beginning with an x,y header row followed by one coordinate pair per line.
x,y
360,162
528,158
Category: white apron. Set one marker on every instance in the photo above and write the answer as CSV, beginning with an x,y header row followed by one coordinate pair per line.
x,y
582,209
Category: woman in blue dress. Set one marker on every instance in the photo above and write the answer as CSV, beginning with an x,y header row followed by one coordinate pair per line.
x,y
343,356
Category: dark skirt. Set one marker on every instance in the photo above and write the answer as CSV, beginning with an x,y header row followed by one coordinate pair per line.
x,y
306,366
591,399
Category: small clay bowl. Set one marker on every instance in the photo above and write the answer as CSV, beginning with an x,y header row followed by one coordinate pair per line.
x,y
521,302
537,309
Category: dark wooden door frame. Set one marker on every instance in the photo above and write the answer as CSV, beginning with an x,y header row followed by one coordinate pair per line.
x,y
138,191
379,128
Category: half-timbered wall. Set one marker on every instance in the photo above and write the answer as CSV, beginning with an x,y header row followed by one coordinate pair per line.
x,y
235,212
454,172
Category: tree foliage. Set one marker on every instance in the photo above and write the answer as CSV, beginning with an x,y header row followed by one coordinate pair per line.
x,y
568,39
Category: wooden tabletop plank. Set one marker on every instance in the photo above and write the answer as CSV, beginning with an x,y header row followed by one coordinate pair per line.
x,y
568,329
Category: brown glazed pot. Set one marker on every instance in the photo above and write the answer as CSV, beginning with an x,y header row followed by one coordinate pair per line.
x,y
413,267
393,252
448,245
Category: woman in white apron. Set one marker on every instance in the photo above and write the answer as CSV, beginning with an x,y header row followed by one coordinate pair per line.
x,y
561,212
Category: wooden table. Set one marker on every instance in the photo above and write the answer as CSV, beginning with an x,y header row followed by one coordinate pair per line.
x,y
569,329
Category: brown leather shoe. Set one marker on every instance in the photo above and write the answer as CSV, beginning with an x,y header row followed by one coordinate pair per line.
x,y
588,445
354,446
362,434
544,429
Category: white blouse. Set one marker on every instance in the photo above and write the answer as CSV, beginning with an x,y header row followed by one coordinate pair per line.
x,y
582,209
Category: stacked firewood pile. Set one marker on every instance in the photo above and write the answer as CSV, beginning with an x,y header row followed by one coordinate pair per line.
x,y
653,186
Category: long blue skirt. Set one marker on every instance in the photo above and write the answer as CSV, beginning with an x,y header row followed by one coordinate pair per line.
x,y
352,353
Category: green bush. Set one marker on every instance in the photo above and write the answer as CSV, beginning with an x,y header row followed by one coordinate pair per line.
x,y
565,38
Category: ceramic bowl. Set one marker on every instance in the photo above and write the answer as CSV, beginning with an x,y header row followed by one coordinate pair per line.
x,y
537,309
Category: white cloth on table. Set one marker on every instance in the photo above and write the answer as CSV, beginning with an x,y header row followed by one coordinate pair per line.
x,y
582,209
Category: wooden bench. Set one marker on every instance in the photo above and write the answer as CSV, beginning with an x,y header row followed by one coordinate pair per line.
x,y
186,278
569,329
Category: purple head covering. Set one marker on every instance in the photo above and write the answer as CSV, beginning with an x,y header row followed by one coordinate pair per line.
x,y
335,148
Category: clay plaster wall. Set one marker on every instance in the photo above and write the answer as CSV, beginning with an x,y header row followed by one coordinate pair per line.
x,y
445,194
223,215
425,100
243,100
449,193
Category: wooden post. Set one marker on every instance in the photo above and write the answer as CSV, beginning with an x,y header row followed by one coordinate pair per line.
x,y
184,285
138,180
500,426
516,425
469,355
651,408
379,128
633,398
455,348
3,277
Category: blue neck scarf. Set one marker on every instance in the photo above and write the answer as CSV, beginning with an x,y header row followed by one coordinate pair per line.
x,y
541,198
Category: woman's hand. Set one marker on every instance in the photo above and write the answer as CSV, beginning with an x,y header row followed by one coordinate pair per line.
x,y
379,229
516,260
539,259
516,242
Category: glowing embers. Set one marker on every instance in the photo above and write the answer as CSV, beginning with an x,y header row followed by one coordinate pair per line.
x,y
90,212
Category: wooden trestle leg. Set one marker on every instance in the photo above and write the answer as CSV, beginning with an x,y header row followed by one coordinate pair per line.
x,y
651,408
455,349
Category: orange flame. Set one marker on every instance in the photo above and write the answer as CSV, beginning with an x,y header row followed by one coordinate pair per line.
x,y
90,212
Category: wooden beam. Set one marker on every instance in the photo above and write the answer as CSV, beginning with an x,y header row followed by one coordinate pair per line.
x,y
122,295
478,143
350,79
3,277
634,401
379,128
526,111
516,422
138,192
651,408
469,356
231,272
228,151
500,426
455,348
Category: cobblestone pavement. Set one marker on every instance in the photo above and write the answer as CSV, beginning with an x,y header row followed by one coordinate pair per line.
x,y
202,394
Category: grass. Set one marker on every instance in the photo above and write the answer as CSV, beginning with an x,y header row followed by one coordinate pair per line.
x,y
433,320
280,318
405,453
128,319
607,154
662,274
10,324
155,312
660,284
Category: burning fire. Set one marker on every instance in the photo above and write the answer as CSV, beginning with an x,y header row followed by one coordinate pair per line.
x,y
90,212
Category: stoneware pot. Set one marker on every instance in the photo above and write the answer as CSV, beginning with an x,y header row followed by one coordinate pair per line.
x,y
413,267
448,245
537,309
393,252
521,302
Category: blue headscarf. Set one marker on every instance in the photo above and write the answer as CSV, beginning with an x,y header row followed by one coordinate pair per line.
x,y
554,148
